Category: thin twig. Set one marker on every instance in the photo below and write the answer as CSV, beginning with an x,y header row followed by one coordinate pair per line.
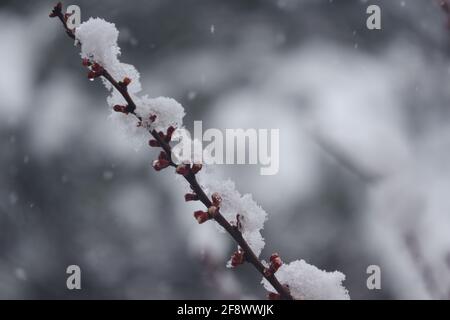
x,y
190,177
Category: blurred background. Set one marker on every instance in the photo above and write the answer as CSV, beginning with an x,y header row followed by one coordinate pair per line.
x,y
364,153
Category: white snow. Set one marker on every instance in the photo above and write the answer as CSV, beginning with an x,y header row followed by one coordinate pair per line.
x,y
98,40
167,110
307,282
252,216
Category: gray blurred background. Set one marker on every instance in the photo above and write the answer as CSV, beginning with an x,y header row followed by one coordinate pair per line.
x,y
365,147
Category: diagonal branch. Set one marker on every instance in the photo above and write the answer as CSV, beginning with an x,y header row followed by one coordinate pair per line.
x,y
189,174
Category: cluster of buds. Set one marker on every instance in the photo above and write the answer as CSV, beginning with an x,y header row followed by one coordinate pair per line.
x,y
203,216
96,70
237,258
275,264
216,199
123,109
125,82
57,10
162,162
167,137
273,296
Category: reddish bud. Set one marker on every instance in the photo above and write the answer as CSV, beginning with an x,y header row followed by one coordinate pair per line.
x,y
190,197
92,75
126,81
238,222
154,143
152,118
86,62
163,156
237,258
216,199
212,211
183,169
268,272
169,133
57,9
201,216
95,72
160,164
273,296
274,256
119,108
66,16
97,68
196,167
275,262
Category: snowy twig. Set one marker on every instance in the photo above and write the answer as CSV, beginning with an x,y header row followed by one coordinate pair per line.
x,y
189,172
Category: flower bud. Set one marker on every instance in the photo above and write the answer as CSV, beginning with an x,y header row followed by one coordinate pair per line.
x,y
183,169
92,75
97,68
160,164
86,62
201,216
119,108
56,10
126,81
268,272
237,258
154,143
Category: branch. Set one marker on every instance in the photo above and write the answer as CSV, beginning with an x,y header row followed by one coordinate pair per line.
x,y
445,6
189,172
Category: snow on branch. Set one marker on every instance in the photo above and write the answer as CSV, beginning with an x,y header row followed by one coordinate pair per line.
x,y
240,216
